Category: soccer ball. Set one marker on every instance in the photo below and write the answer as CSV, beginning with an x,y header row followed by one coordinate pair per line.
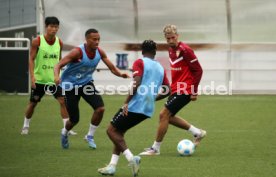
x,y
185,147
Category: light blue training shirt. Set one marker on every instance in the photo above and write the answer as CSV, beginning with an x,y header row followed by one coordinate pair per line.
x,y
143,101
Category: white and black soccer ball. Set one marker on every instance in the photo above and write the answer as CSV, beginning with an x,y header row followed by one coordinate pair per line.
x,y
185,147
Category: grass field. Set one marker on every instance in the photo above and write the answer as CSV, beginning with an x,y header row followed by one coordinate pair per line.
x,y
241,140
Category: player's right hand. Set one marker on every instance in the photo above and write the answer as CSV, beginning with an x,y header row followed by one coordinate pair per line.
x,y
125,109
33,83
193,97
125,75
57,80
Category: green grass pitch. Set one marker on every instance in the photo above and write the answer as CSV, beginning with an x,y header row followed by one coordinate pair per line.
x,y
241,140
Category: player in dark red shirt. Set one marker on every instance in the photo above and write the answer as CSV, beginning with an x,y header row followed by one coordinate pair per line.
x,y
186,74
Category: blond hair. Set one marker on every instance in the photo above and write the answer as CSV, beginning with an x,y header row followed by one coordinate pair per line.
x,y
170,29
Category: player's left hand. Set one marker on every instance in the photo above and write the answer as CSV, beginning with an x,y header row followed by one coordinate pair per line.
x,y
125,109
193,97
125,75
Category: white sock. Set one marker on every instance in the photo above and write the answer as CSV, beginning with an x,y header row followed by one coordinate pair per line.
x,y
64,131
92,129
156,145
128,154
26,122
64,121
114,159
195,131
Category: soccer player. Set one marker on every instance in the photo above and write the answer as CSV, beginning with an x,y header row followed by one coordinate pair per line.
x,y
186,74
77,82
45,53
149,76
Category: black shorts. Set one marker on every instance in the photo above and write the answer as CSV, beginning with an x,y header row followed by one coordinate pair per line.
x,y
176,102
41,89
123,123
72,98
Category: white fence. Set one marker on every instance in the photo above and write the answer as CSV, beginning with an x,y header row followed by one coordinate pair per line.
x,y
247,71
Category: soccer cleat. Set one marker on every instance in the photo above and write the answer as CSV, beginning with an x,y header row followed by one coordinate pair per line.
x,y
90,140
135,165
108,170
64,141
199,137
25,131
71,132
150,151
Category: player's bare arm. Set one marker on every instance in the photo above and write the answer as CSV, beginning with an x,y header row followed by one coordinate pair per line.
x,y
33,53
61,47
112,68
74,55
193,97
196,71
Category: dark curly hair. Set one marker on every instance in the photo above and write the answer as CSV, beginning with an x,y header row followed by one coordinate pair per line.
x,y
91,30
149,46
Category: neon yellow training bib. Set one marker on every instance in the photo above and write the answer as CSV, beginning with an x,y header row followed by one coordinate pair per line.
x,y
46,59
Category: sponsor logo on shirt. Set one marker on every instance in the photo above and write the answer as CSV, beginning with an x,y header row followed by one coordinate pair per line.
x,y
176,69
47,67
50,56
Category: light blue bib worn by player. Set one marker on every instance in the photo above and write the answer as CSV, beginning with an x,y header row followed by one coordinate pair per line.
x,y
80,73
143,101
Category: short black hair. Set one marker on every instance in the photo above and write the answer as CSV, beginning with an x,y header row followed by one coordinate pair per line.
x,y
51,20
91,30
149,46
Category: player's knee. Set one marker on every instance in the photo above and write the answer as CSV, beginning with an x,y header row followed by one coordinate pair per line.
x,y
110,130
162,115
100,110
61,101
32,104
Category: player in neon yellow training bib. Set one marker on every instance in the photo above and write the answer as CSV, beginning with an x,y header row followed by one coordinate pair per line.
x,y
45,54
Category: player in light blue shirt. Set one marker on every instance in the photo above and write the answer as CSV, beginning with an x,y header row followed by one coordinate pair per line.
x,y
149,83
77,82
